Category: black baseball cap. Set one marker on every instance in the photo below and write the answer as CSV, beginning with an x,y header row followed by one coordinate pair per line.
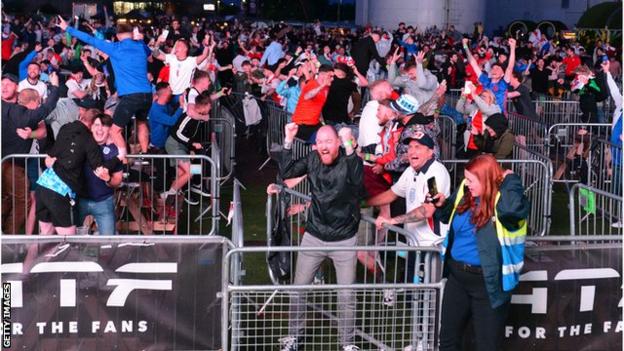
x,y
12,77
420,137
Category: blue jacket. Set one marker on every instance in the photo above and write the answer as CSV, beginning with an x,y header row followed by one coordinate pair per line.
x,y
290,93
161,118
129,60
513,207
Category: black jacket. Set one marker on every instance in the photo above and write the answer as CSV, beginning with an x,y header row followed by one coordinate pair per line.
x,y
363,52
336,192
186,131
16,116
73,147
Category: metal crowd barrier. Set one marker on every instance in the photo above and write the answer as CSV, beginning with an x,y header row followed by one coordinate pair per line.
x,y
595,212
139,206
396,305
558,111
447,139
529,132
452,96
223,124
277,120
535,172
605,166
569,150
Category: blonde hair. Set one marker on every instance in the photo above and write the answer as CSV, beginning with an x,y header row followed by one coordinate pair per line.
x,y
489,95
27,96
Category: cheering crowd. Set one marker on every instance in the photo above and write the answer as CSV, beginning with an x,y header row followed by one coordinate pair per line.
x,y
368,100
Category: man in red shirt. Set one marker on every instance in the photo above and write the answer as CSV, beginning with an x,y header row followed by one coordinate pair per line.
x,y
571,62
307,114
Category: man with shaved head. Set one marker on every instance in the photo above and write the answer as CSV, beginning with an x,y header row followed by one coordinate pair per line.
x,y
336,182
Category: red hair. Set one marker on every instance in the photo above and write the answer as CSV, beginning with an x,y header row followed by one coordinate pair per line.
x,y
490,175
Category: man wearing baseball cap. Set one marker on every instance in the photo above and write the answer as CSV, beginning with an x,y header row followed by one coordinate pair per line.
x,y
413,185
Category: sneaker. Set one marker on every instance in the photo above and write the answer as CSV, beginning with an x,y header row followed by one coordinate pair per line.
x,y
389,297
199,189
289,343
419,347
188,198
617,225
350,348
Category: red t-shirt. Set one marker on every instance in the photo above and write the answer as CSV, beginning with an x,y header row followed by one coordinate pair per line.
x,y
163,75
7,47
571,63
308,112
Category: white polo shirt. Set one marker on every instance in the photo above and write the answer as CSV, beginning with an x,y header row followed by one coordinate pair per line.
x,y
413,187
180,72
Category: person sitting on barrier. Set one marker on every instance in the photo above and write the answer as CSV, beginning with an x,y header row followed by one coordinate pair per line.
x,y
479,104
497,139
64,179
100,202
335,176
307,114
185,137
128,58
162,116
483,252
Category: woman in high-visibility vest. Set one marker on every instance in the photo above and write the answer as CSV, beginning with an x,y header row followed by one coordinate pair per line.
x,y
482,253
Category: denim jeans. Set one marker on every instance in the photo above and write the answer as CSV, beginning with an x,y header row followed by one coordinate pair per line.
x,y
102,211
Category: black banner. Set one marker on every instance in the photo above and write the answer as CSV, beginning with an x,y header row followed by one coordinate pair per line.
x,y
96,294
568,299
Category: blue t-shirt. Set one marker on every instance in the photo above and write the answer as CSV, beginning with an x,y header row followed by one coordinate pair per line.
x,y
499,89
465,241
616,139
97,188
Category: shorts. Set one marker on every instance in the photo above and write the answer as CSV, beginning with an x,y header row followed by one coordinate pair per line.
x,y
53,208
137,105
173,147
32,171
374,184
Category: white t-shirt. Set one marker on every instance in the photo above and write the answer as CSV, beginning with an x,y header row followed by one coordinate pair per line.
x,y
73,86
40,87
180,73
413,187
369,127
190,98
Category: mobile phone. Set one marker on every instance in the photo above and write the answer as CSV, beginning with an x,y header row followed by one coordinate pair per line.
x,y
165,33
433,190
135,32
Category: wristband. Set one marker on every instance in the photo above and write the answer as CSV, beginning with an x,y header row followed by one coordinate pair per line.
x,y
367,157
348,143
33,135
